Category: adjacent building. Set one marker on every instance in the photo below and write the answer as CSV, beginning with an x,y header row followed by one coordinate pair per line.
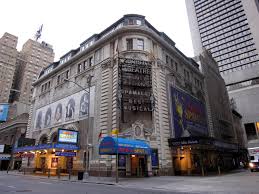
x,y
33,57
8,55
229,30
17,73
129,80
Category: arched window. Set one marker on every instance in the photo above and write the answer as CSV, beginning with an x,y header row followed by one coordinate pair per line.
x,y
43,140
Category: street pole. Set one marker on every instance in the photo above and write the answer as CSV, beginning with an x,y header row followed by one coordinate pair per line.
x,y
89,79
117,158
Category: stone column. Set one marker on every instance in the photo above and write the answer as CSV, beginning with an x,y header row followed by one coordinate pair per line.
x,y
128,165
149,166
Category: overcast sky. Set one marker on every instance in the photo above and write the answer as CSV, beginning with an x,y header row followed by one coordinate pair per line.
x,y
67,23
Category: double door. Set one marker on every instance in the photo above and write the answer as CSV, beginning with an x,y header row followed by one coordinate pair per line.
x,y
138,166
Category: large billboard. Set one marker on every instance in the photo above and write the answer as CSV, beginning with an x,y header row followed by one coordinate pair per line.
x,y
71,108
189,115
4,112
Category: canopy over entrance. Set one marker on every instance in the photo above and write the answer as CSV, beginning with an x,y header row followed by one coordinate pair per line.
x,y
110,145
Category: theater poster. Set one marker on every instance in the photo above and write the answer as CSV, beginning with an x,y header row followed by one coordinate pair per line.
x,y
189,115
71,108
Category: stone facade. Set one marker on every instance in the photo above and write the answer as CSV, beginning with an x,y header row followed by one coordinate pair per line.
x,y
218,104
131,37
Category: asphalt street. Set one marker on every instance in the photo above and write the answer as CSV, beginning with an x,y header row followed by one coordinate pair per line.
x,y
35,185
238,182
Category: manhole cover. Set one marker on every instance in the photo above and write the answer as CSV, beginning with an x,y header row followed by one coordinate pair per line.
x,y
23,191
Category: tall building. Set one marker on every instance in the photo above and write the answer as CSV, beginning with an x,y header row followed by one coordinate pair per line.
x,y
229,30
18,70
33,57
130,80
8,55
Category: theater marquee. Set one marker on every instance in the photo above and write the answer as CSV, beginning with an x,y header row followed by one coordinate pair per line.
x,y
135,81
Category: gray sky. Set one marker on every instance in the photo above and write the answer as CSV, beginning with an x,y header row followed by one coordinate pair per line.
x,y
67,23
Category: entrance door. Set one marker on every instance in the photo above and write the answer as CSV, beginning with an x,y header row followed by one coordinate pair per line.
x,y
69,164
43,164
138,166
142,166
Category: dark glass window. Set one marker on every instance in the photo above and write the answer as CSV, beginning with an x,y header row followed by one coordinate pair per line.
x,y
250,131
129,44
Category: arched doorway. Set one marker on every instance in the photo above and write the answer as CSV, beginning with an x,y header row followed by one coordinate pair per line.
x,y
43,139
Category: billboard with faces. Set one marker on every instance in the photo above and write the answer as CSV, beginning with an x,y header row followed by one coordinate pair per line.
x,y
73,107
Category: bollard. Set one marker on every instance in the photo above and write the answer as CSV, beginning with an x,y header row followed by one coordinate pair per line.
x,y
48,173
202,170
59,173
219,170
69,174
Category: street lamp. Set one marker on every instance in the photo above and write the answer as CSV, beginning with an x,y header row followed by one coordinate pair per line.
x,y
89,79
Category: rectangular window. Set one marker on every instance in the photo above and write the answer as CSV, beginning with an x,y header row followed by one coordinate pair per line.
x,y
67,74
176,66
140,44
58,80
187,74
98,55
166,59
131,21
138,22
250,131
79,68
90,61
129,43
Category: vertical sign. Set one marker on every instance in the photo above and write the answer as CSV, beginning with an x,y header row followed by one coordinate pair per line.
x,y
4,112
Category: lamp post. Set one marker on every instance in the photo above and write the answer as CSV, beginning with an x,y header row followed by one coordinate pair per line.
x,y
89,80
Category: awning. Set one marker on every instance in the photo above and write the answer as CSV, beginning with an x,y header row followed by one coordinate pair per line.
x,y
47,146
109,146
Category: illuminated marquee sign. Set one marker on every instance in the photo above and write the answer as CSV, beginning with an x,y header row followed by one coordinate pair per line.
x,y
135,83
67,136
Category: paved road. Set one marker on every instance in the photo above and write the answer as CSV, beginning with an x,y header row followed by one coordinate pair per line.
x,y
242,181
35,185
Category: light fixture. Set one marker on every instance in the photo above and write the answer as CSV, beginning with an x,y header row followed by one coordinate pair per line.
x,y
62,150
251,165
46,151
133,156
54,150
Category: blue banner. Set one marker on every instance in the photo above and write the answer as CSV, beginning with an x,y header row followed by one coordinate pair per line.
x,y
4,112
47,146
189,115
154,158
67,154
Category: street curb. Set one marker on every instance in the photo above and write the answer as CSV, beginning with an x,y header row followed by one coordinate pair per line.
x,y
76,181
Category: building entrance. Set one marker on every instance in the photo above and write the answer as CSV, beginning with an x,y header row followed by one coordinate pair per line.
x,y
138,166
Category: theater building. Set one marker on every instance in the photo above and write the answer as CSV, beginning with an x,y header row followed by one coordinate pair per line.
x,y
130,77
